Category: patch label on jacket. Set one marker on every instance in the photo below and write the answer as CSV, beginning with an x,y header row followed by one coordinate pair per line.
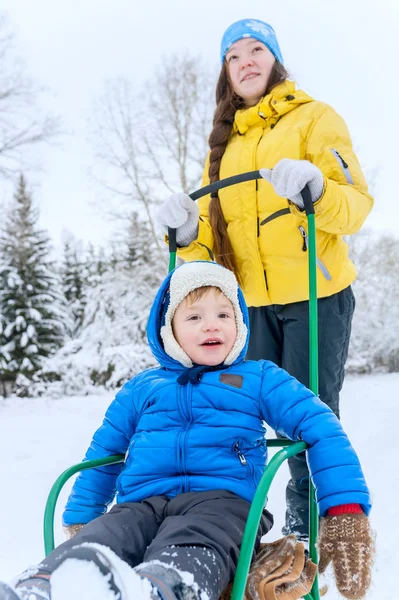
x,y
231,379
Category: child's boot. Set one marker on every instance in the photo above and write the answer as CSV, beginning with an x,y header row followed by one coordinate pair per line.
x,y
167,582
94,572
32,587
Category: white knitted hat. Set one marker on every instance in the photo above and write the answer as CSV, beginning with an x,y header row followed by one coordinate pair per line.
x,y
189,277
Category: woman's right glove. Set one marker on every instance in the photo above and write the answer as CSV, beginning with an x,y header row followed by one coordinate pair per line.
x,y
289,177
71,530
181,213
346,541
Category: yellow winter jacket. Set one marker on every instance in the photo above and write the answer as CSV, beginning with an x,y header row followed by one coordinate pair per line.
x,y
267,232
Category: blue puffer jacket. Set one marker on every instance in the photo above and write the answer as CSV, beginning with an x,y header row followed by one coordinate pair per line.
x,y
208,433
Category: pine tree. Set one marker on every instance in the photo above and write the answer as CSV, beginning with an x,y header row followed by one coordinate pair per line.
x,y
140,247
74,281
32,316
96,265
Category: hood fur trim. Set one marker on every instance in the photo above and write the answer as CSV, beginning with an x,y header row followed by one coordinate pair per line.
x,y
192,276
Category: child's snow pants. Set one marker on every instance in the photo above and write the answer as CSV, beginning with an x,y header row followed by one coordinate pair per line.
x,y
198,532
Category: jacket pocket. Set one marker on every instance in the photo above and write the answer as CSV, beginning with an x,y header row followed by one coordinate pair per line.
x,y
128,456
275,215
211,257
245,462
319,263
344,166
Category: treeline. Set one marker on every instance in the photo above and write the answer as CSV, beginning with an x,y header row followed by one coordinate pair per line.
x,y
73,323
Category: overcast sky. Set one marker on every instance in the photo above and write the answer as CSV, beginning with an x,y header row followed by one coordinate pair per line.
x,y
344,52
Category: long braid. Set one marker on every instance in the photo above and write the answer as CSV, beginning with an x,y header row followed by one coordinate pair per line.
x,y
227,103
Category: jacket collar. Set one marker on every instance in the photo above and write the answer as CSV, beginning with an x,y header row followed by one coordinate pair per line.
x,y
281,100
194,374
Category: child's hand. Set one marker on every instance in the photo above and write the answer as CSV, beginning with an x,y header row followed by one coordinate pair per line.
x,y
347,542
71,530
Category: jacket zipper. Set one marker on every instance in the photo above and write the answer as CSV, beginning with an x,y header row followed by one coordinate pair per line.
x,y
240,455
245,463
185,411
319,263
344,166
181,459
275,215
257,218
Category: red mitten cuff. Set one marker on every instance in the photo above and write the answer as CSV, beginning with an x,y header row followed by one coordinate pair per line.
x,y
345,509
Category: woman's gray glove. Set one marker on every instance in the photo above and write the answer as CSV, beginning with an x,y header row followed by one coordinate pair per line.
x,y
181,213
289,177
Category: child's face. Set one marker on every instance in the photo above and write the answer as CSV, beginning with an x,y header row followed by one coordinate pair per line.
x,y
206,329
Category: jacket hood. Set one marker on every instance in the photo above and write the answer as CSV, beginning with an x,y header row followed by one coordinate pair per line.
x,y
159,332
281,100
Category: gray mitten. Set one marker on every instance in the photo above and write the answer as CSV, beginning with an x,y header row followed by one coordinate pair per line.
x,y
289,177
181,213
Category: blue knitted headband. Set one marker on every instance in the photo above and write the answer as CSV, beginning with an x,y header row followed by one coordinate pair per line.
x,y
253,28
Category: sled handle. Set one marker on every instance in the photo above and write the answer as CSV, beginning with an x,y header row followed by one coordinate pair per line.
x,y
215,187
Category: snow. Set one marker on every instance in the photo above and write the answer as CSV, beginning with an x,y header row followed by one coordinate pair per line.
x,y
40,437
78,579
75,580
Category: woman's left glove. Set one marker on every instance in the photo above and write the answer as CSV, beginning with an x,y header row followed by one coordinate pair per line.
x,y
346,541
289,177
181,213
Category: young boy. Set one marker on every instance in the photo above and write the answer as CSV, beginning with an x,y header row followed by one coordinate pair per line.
x,y
192,430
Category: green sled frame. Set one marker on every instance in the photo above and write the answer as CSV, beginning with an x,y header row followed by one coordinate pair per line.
x,y
288,448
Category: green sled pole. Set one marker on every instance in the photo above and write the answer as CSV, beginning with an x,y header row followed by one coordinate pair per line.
x,y
313,368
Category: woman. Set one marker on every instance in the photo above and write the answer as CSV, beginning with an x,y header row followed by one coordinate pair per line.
x,y
258,229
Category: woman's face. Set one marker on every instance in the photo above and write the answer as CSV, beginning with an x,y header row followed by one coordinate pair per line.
x,y
249,64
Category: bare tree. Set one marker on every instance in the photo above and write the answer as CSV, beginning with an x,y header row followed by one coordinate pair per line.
x,y
152,142
22,122
179,118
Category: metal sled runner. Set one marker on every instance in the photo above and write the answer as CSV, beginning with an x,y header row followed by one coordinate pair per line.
x,y
288,448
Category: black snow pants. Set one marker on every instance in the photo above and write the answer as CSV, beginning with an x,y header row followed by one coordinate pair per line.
x,y
280,333
200,532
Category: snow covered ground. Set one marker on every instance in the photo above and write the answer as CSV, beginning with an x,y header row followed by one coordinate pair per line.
x,y
40,437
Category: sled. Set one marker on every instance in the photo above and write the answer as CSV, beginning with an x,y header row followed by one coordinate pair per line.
x,y
288,448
